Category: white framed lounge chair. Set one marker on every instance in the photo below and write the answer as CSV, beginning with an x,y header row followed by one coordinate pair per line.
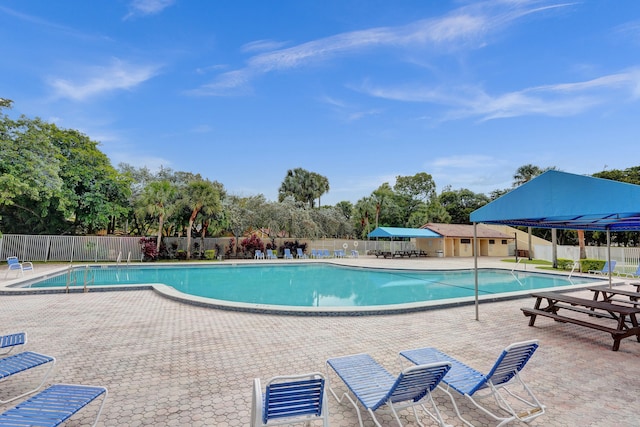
x,y
258,254
374,387
10,342
17,363
53,406
605,268
15,265
270,254
301,255
633,275
290,400
287,254
476,386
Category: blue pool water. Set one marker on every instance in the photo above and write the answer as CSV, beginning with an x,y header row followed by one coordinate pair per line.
x,y
319,285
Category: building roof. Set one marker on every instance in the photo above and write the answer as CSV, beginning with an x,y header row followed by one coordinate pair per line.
x,y
465,231
557,199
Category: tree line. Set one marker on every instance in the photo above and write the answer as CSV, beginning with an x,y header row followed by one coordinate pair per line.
x,y
57,181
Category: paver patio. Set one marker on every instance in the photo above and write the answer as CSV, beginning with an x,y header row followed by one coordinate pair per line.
x,y
167,363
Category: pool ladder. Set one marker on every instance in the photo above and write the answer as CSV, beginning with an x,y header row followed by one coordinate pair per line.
x,y
88,278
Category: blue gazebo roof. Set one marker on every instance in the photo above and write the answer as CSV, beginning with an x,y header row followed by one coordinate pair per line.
x,y
403,232
557,199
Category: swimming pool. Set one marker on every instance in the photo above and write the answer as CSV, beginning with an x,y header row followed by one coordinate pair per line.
x,y
318,287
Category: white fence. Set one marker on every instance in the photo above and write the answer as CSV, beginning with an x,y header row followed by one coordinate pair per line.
x,y
112,248
69,248
627,259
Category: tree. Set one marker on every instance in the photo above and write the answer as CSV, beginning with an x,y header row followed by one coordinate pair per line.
x,y
460,203
157,200
56,180
199,196
303,186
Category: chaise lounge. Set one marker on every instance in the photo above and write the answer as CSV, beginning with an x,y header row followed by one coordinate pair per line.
x,y
53,406
470,383
374,387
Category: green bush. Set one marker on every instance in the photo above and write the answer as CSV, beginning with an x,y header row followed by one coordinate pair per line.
x,y
210,254
591,264
565,264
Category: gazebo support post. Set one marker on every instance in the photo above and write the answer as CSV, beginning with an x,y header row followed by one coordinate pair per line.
x,y
475,264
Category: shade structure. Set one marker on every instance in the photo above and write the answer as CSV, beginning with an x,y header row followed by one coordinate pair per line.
x,y
563,200
392,232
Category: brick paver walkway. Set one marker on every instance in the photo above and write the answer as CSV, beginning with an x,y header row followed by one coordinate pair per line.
x,y
167,363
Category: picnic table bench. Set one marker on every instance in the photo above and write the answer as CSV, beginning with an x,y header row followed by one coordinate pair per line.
x,y
626,323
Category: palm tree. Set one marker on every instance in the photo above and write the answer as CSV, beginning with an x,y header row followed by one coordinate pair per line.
x,y
525,174
200,196
303,185
157,199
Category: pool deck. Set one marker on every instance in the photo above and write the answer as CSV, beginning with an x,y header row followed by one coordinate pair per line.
x,y
168,363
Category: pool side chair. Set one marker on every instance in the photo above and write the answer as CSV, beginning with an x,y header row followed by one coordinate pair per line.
x,y
17,363
10,342
354,253
376,389
53,406
290,400
15,265
605,268
633,275
325,253
258,254
476,386
287,254
270,254
301,255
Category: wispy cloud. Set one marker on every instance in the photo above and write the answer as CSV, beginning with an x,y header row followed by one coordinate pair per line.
x,y
558,100
463,27
147,7
262,46
118,75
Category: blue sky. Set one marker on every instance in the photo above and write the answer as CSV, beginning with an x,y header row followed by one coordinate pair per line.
x,y
359,91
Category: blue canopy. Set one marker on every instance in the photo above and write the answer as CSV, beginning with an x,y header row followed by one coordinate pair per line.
x,y
557,199
402,232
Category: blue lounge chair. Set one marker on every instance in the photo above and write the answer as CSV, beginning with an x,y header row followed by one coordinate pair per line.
x,y
12,341
354,253
53,406
374,387
258,254
15,265
290,399
325,253
301,255
270,254
12,365
287,254
605,269
470,383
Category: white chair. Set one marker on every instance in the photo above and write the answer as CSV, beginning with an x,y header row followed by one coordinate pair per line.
x,y
15,265
290,400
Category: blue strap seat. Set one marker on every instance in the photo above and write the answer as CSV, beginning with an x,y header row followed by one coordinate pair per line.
x,y
21,362
374,387
53,406
505,373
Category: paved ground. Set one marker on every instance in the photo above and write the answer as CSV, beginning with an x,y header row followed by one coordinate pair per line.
x,y
167,363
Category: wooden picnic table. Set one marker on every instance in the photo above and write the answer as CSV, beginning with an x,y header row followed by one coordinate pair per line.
x,y
612,294
626,322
